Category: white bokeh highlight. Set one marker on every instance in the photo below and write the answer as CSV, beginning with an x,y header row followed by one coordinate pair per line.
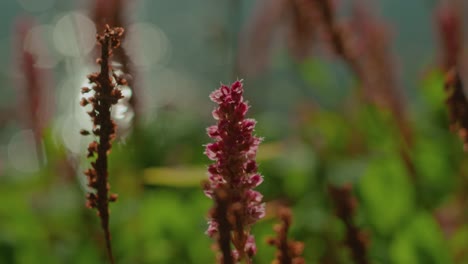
x,y
36,43
74,35
146,44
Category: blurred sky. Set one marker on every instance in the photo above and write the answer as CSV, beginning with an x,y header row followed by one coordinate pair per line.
x,y
183,49
198,31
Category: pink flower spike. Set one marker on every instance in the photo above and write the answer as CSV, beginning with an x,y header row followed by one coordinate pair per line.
x,y
234,171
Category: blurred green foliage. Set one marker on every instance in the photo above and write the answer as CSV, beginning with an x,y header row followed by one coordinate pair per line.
x,y
160,216
312,140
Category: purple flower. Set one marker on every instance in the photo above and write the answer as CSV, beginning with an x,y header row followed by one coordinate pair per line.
x,y
234,169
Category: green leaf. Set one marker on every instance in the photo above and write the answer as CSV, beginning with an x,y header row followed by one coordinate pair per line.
x,y
458,243
297,169
433,89
328,131
328,80
345,171
316,73
175,177
435,169
420,241
387,194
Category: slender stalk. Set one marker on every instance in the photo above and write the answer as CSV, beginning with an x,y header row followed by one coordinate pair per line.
x,y
288,251
106,94
345,206
105,124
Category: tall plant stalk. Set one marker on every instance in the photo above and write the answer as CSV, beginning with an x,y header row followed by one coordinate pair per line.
x,y
104,85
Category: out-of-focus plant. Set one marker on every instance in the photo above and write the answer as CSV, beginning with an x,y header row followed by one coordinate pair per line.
x,y
33,107
288,251
298,16
457,105
106,93
450,28
345,206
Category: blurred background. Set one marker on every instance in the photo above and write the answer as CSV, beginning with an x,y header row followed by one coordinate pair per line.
x,y
371,116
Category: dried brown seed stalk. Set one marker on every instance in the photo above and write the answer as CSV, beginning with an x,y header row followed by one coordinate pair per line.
x,y
289,251
104,84
115,12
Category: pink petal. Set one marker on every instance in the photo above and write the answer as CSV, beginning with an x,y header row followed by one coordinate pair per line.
x,y
212,132
249,124
225,90
254,196
212,228
216,114
241,109
255,180
250,248
211,150
215,96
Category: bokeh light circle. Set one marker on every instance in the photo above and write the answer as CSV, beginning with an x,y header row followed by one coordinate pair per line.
x,y
146,44
74,35
36,43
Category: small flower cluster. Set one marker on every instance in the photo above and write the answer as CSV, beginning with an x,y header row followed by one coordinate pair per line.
x,y
457,106
234,170
289,252
104,85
